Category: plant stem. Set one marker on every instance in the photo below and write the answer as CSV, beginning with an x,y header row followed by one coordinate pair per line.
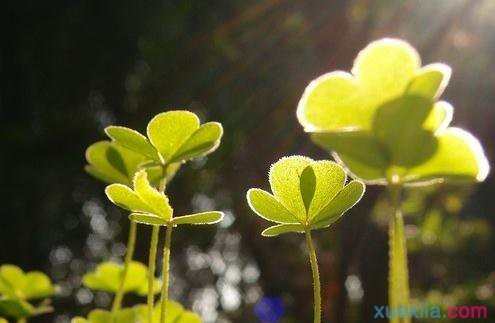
x,y
166,272
316,277
151,270
398,284
131,243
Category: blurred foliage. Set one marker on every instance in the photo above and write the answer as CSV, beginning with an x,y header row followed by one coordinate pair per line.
x,y
71,68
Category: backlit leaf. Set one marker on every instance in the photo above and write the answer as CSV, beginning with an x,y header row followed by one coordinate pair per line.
x,y
211,217
201,142
267,207
132,140
168,131
282,228
156,201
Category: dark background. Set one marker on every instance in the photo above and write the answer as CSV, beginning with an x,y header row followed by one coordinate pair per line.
x,y
71,67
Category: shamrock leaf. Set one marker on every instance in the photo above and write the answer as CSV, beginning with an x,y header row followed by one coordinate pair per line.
x,y
107,277
307,195
178,136
111,162
149,206
138,314
384,122
15,283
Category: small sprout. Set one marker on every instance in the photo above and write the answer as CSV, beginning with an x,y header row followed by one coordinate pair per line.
x,y
107,277
307,195
384,121
18,287
149,206
176,314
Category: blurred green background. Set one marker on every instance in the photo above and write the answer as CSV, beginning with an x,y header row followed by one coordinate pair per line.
x,y
72,67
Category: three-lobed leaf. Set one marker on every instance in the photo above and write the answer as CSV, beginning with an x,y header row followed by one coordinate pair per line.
x,y
383,121
307,195
107,277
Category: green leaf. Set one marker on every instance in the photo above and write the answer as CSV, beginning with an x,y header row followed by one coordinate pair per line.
x,y
382,121
307,185
284,179
148,219
168,131
408,143
203,141
158,202
430,81
345,199
107,277
15,283
266,206
133,140
282,228
112,163
126,198
211,217
459,157
364,156
330,179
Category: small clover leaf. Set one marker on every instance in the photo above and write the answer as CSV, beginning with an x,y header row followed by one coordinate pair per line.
x,y
383,121
107,277
15,283
149,206
178,136
307,195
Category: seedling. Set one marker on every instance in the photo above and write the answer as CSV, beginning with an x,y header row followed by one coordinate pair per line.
x,y
18,289
384,123
151,207
307,195
173,138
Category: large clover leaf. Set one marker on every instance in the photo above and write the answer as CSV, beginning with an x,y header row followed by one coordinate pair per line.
x,y
307,195
384,123
138,314
149,206
107,277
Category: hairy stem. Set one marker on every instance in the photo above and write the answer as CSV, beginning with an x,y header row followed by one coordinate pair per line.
x,y
151,270
398,284
316,277
131,244
166,273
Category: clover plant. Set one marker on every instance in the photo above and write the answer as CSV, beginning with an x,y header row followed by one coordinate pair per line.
x,y
18,289
384,122
148,163
307,195
107,277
